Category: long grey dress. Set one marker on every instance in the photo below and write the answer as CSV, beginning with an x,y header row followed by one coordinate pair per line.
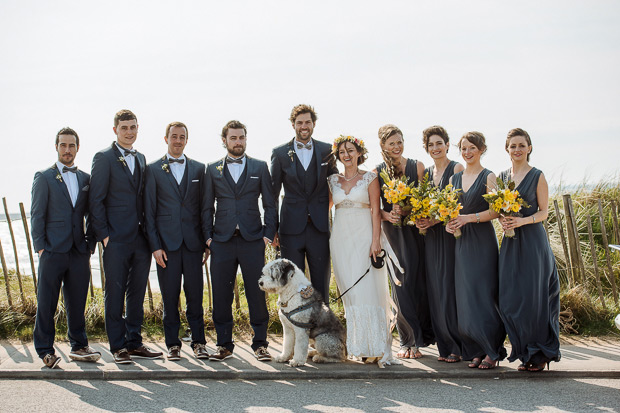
x,y
414,320
439,248
529,288
476,280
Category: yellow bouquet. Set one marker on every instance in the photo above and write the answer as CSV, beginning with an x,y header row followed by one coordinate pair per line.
x,y
446,206
421,202
396,190
506,201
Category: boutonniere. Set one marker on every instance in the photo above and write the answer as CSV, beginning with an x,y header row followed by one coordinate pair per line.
x,y
165,168
290,154
220,167
122,159
58,176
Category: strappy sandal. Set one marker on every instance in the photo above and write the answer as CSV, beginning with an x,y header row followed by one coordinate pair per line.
x,y
452,358
538,367
415,353
485,365
475,363
404,353
441,358
523,366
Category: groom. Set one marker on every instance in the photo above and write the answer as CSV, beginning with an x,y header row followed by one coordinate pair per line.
x,y
302,166
238,237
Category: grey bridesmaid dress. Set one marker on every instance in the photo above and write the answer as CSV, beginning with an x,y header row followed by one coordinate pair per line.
x,y
414,321
476,280
439,248
529,288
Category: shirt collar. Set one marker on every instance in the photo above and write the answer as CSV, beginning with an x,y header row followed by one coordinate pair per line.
x,y
60,165
120,148
172,157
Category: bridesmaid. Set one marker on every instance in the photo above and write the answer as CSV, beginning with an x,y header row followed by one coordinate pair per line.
x,y
475,260
413,321
529,288
439,248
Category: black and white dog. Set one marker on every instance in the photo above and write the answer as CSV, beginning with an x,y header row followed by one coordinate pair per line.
x,y
304,316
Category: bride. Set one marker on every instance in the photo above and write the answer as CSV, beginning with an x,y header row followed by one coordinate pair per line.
x,y
355,237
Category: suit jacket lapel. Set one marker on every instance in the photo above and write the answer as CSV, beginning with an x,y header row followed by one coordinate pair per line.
x,y
169,175
63,185
189,168
292,164
80,180
249,162
222,175
124,164
318,160
141,163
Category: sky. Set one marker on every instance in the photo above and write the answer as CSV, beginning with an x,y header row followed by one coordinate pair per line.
x,y
549,67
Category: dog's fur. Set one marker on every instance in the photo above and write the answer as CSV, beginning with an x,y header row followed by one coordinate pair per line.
x,y
286,279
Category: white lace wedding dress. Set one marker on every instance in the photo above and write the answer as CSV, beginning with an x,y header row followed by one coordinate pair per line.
x,y
367,305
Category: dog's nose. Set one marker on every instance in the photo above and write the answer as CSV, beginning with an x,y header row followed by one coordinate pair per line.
x,y
260,283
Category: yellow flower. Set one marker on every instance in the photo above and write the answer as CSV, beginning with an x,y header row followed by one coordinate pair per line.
x,y
454,214
516,207
401,186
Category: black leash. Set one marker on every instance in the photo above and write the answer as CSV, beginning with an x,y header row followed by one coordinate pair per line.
x,y
348,289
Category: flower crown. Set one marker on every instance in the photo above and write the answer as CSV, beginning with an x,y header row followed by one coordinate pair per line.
x,y
340,139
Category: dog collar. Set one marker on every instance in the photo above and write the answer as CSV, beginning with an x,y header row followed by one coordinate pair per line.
x,y
305,292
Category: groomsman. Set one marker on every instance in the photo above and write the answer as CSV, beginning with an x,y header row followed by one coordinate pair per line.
x,y
302,166
238,237
173,207
59,205
117,215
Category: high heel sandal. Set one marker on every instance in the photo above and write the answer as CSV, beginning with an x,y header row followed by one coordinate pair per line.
x,y
475,363
524,366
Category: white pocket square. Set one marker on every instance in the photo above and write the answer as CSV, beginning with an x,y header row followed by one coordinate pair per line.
x,y
195,180
86,188
254,177
325,163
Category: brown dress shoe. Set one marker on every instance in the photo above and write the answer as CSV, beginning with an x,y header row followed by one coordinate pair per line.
x,y
143,352
85,354
262,354
222,354
122,357
51,360
174,353
200,351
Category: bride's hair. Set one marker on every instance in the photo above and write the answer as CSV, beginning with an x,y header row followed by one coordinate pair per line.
x,y
385,133
359,146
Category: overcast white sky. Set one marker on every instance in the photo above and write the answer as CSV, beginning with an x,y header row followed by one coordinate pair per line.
x,y
550,67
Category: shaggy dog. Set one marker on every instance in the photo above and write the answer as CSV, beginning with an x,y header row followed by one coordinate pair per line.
x,y
304,316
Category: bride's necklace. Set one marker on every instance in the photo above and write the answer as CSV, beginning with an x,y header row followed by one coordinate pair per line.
x,y
351,178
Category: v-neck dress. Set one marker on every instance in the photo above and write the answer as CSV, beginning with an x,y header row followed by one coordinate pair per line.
x,y
529,288
414,320
476,279
439,248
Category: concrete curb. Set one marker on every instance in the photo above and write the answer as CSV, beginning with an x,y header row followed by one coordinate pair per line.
x,y
299,375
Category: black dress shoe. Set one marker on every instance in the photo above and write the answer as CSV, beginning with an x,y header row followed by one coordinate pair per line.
x,y
143,352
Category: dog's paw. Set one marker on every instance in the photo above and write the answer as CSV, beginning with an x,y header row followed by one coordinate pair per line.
x,y
281,359
297,363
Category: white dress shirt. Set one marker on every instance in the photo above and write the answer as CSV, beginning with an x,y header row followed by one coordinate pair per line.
x,y
70,180
130,160
236,169
176,168
304,155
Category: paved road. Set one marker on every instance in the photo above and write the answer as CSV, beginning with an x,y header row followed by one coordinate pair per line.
x,y
530,394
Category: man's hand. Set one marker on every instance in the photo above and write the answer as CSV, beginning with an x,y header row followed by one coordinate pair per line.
x,y
105,241
206,256
40,252
267,242
276,241
160,257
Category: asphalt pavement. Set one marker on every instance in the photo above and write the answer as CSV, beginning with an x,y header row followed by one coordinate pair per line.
x,y
581,358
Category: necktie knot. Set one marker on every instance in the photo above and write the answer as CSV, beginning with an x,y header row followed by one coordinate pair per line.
x,y
173,160
233,160
130,152
69,169
307,146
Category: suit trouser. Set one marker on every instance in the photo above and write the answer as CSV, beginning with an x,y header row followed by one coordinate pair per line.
x,y
185,264
314,244
71,270
225,258
126,273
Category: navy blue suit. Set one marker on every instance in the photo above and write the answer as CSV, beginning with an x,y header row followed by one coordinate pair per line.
x,y
116,209
304,215
58,229
173,214
237,208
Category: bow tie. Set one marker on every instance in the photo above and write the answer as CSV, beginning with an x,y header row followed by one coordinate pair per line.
x,y
307,146
130,152
69,169
173,160
233,160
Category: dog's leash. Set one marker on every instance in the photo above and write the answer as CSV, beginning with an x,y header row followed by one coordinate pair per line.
x,y
349,289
